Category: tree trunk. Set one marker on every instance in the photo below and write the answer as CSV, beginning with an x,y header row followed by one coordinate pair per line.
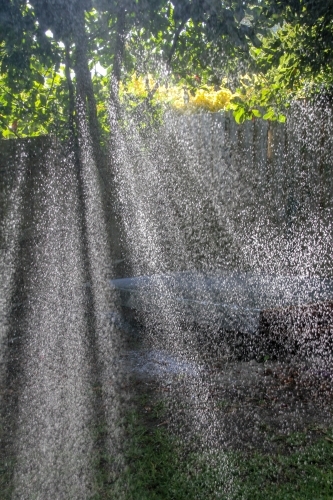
x,y
71,94
84,86
117,61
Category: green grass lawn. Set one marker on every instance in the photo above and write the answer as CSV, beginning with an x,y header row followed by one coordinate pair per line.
x,y
159,466
304,474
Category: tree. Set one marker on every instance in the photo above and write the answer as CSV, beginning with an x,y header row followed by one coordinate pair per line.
x,y
206,38
306,37
26,59
66,20
295,60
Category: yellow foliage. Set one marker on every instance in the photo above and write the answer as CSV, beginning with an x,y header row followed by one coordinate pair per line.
x,y
178,96
135,86
211,99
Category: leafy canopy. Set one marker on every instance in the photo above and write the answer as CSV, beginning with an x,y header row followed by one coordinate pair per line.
x,y
196,53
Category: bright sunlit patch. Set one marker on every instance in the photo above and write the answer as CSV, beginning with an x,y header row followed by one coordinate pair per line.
x,y
99,70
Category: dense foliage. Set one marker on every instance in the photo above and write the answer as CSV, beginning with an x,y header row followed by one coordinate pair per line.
x,y
294,60
252,57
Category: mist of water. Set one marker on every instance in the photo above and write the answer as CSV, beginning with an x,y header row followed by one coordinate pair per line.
x,y
223,228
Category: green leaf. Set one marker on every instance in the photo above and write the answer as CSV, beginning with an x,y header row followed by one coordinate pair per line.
x,y
281,118
239,115
270,115
256,113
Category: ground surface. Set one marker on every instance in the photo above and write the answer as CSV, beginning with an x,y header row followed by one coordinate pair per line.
x,y
214,427
240,405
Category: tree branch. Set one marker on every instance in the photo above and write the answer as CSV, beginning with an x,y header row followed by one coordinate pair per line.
x,y
175,41
120,45
9,128
71,91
